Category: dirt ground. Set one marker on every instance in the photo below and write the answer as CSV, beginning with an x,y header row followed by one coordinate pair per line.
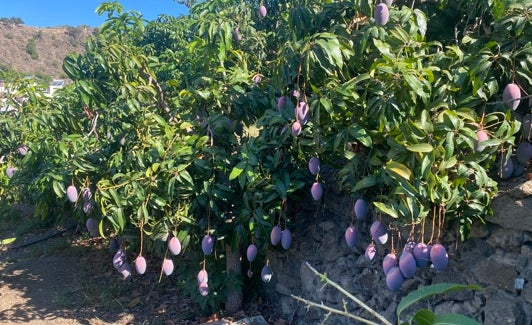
x,y
69,279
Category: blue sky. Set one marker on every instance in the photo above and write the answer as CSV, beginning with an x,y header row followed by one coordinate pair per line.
x,y
51,13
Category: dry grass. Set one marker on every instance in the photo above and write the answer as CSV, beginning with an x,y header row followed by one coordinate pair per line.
x,y
51,47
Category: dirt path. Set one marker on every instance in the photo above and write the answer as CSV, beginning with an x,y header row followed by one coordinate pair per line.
x,y
69,279
35,291
42,284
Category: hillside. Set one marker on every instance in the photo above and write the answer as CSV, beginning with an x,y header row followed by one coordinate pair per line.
x,y
40,51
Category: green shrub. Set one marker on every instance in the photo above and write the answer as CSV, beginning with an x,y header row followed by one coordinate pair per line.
x,y
31,49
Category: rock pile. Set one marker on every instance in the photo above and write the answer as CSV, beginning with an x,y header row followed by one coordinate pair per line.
x,y
498,257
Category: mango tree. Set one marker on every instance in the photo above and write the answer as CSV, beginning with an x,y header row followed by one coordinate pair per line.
x,y
199,130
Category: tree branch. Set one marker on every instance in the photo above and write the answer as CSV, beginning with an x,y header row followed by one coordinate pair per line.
x,y
334,311
359,302
508,101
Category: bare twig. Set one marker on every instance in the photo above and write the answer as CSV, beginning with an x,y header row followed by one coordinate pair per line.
x,y
93,126
359,302
161,102
508,101
334,311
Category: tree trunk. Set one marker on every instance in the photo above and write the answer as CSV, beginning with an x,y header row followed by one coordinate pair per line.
x,y
233,301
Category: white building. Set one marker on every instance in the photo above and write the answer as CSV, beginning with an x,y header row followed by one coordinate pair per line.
x,y
55,85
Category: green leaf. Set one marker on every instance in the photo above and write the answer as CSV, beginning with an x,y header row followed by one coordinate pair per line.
x,y
429,291
384,48
386,209
396,169
115,197
327,105
449,145
454,319
330,47
420,147
421,20
237,170
424,317
185,175
426,165
58,187
7,241
401,35
359,133
448,163
100,228
280,187
415,84
85,87
451,120
120,218
159,201
365,182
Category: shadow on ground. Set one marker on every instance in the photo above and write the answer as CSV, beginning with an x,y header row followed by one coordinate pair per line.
x,y
67,281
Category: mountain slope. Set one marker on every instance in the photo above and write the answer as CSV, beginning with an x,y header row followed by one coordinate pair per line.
x,y
40,51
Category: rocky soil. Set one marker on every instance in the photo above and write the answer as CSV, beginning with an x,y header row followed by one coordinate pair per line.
x,y
498,257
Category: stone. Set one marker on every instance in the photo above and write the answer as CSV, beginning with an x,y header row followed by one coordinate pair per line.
x,y
330,250
502,308
506,238
288,305
444,307
521,191
503,277
511,213
219,322
467,308
522,264
283,289
307,278
498,252
340,205
525,269
474,249
479,230
368,278
527,308
479,300
526,250
452,275
526,293
255,320
328,226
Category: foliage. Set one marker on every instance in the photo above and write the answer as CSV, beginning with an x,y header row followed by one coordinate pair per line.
x,y
76,34
10,76
175,127
424,316
31,49
12,20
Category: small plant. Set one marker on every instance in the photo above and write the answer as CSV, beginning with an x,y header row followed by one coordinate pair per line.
x,y
422,316
31,49
12,20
